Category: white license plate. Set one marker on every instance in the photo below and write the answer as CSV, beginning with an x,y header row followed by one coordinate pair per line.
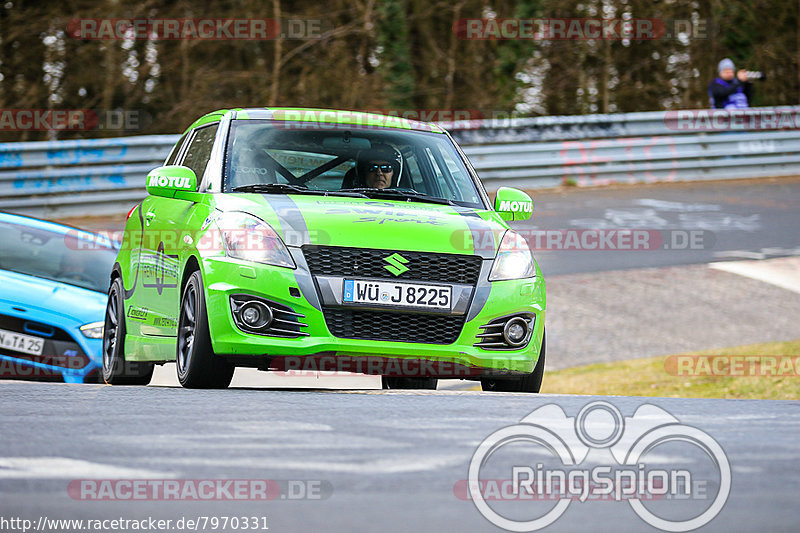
x,y
18,342
393,294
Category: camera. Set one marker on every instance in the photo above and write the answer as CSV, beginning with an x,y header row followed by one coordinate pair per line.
x,y
756,75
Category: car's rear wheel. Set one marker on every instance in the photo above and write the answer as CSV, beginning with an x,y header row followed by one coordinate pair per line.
x,y
198,366
529,383
116,370
409,383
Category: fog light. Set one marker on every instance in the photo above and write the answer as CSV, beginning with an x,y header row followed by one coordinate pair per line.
x,y
255,315
515,331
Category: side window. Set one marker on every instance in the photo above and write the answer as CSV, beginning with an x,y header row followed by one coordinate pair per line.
x,y
199,151
462,182
443,183
417,182
173,154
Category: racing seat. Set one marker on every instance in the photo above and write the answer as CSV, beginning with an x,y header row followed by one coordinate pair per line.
x,y
251,166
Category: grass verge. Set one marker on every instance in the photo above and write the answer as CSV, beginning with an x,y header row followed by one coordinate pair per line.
x,y
692,375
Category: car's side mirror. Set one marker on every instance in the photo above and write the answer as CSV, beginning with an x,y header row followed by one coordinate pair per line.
x,y
513,204
170,180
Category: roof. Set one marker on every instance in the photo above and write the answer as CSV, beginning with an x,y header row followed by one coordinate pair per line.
x,y
322,116
32,222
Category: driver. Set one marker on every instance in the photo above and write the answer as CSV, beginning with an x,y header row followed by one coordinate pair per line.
x,y
73,267
380,167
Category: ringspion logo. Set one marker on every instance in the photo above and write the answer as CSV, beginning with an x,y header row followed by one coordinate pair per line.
x,y
518,471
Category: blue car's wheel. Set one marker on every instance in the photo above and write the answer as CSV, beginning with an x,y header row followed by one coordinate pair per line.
x,y
117,371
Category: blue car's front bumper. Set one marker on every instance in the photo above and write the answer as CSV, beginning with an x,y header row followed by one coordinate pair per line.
x,y
67,352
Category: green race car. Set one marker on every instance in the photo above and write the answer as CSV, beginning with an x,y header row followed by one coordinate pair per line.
x,y
307,239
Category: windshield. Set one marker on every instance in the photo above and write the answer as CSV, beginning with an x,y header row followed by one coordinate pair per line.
x,y
330,158
76,258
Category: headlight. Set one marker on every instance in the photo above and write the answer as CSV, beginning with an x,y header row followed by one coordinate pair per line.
x,y
93,330
514,259
247,237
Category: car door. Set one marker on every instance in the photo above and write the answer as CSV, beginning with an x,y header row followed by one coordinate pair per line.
x,y
164,229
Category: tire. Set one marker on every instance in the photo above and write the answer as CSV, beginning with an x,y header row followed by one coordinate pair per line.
x,y
198,366
116,370
409,383
528,383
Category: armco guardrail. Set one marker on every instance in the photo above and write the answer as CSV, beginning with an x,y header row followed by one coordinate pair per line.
x,y
105,176
638,159
78,177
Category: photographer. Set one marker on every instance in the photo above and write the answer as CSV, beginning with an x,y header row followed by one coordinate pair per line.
x,y
729,92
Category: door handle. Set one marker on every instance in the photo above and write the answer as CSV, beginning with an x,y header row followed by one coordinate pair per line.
x,y
148,218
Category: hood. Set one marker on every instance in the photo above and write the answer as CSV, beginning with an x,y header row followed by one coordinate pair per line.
x,y
51,298
367,223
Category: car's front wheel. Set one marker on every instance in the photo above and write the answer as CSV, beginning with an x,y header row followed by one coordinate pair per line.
x,y
116,370
529,383
198,366
409,383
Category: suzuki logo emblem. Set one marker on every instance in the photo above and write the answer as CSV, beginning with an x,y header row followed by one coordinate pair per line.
x,y
396,264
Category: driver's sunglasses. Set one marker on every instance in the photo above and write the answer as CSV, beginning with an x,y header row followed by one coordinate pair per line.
x,y
383,168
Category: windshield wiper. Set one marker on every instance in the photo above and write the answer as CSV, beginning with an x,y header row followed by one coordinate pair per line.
x,y
286,188
406,194
272,187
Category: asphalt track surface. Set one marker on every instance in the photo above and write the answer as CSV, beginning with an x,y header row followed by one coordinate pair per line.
x,y
383,461
742,219
392,461
622,304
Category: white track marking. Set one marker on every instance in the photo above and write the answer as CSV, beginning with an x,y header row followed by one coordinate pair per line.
x,y
66,468
402,463
783,272
165,376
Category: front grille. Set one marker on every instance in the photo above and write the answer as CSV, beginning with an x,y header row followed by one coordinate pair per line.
x,y
370,263
36,329
60,349
390,326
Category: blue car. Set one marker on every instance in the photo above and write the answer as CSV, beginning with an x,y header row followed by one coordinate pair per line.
x,y
53,284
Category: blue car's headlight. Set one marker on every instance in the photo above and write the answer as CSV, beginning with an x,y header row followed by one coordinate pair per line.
x,y
93,330
250,238
514,259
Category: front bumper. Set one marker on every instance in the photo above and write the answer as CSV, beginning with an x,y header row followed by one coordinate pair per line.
x,y
67,354
297,289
